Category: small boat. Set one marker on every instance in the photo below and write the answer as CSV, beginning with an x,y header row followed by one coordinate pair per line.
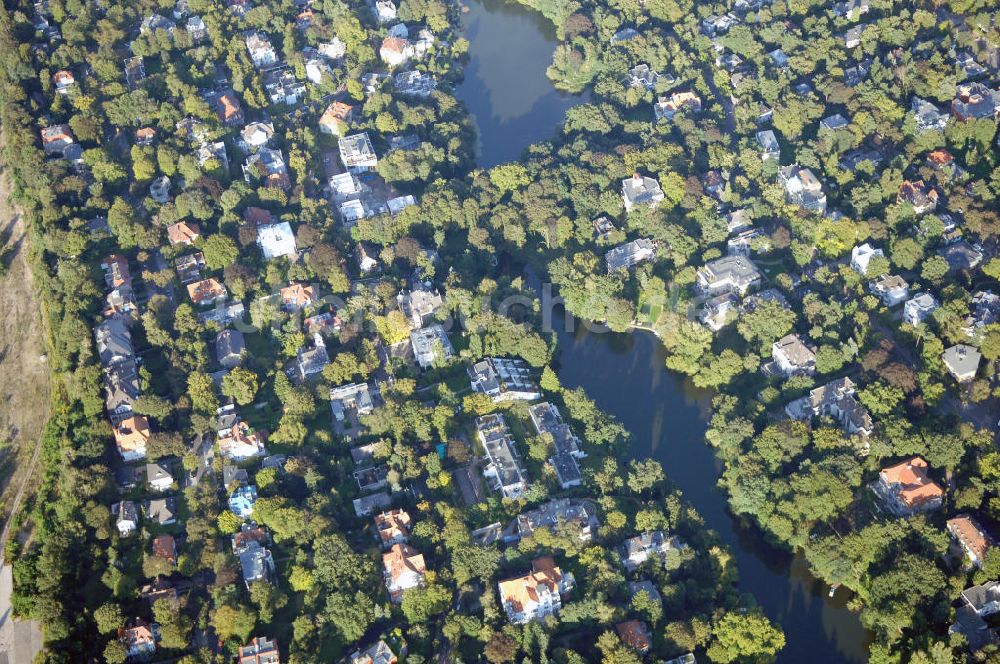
x,y
833,589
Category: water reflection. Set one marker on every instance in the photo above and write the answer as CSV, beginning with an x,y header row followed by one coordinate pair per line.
x,y
505,87
667,416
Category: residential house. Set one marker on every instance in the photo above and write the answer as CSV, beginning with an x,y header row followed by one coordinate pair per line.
x,y
718,24
978,601
55,138
419,305
927,116
537,594
63,80
282,87
249,532
129,477
852,10
985,308
641,76
392,527
139,640
121,389
325,323
919,307
297,296
161,511
973,540
155,22
852,38
636,635
316,68
164,546
962,361
861,257
357,153
603,229
355,398
503,379
403,568
667,107
769,146
628,255
366,255
922,197
267,165
212,156
414,83
637,550
261,650
145,136
227,107
127,518
365,505
834,122
131,437
234,476
836,399
276,240
547,420
240,442
779,58
395,51
384,10
906,488
159,588
116,272
229,348
158,477
802,188
223,314
793,357
377,653
311,361
196,28
645,586
256,563
641,190
159,190
961,255
504,469
890,288
241,501
135,71
430,345
207,292
714,183
183,233
256,135
261,51
729,274
557,515
336,118
719,311
975,101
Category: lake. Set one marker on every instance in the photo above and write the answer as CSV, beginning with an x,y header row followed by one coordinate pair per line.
x,y
667,416
505,88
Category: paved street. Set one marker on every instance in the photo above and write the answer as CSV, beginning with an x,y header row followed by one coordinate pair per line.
x,y
19,641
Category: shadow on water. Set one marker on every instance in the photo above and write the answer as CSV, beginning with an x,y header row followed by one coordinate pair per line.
x,y
667,416
505,88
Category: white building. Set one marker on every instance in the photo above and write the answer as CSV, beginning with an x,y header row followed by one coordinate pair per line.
x,y
276,240
919,307
862,255
793,357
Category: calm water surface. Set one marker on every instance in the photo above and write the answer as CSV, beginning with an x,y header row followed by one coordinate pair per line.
x,y
667,416
505,87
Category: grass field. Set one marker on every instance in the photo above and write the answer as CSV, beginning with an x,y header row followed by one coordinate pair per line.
x,y
24,375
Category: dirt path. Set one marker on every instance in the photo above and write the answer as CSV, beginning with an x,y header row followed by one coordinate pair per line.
x,y
24,374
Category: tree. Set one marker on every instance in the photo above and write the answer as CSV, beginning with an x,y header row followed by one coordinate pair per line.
x,y
229,522
549,381
747,637
767,323
153,405
115,652
420,604
240,384
234,622
109,618
337,566
165,443
501,648
351,613
219,251
644,475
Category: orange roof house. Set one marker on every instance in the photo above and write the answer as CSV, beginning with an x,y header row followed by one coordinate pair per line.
x,y
537,594
165,547
56,137
63,79
939,158
229,109
116,272
206,291
403,568
971,537
922,197
335,114
393,527
145,135
906,488
131,437
138,640
183,233
635,634
295,296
